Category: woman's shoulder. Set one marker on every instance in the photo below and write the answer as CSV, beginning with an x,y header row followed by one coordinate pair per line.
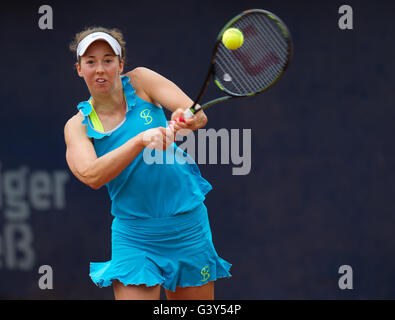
x,y
142,79
138,76
139,72
74,122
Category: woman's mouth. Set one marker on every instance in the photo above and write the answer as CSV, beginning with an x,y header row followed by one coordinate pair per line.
x,y
101,81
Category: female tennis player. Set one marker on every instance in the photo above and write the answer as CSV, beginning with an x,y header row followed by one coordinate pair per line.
x,y
160,232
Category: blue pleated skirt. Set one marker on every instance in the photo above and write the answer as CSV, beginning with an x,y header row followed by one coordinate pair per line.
x,y
175,251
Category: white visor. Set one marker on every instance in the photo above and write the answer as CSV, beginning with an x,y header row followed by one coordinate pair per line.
x,y
87,41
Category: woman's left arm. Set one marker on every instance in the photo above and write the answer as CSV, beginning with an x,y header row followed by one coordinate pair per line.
x,y
164,92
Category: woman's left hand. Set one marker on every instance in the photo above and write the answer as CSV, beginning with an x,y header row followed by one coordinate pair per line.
x,y
198,120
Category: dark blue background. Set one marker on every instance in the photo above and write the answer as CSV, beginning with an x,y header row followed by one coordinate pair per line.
x,y
320,191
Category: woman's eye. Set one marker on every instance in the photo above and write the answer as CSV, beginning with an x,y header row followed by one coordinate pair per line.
x,y
89,62
108,60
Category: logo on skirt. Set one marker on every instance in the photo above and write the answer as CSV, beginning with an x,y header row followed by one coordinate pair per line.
x,y
205,273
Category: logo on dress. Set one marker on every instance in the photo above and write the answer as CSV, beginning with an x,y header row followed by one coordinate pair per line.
x,y
145,114
205,273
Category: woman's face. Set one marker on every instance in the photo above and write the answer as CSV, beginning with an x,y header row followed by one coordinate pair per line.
x,y
100,68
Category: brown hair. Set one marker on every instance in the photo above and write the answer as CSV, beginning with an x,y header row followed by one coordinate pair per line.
x,y
115,33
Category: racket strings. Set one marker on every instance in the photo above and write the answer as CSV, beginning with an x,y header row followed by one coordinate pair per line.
x,y
241,83
258,62
262,45
273,44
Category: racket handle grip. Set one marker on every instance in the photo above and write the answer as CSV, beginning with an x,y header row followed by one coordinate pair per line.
x,y
188,114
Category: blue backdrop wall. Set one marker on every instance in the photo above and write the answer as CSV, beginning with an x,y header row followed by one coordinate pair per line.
x,y
320,191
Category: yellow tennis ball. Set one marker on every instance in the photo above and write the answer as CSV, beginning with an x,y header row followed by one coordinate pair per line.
x,y
233,38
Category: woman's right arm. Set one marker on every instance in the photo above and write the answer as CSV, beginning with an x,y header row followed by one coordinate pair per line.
x,y
97,171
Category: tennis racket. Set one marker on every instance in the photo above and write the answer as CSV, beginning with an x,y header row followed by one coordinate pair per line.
x,y
254,67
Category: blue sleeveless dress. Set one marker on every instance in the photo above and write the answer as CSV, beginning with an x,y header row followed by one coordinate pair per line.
x,y
160,232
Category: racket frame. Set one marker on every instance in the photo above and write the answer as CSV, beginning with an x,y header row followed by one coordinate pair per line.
x,y
211,71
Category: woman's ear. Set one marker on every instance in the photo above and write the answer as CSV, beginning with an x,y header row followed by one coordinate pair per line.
x,y
78,67
121,65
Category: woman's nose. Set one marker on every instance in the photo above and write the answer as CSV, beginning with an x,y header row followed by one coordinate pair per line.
x,y
99,68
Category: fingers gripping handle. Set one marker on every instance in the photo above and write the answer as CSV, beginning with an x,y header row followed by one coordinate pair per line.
x,y
187,114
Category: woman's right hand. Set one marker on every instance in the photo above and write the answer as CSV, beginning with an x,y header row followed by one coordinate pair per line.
x,y
159,138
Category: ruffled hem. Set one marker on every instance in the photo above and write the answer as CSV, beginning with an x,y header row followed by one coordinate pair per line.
x,y
103,273
86,108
